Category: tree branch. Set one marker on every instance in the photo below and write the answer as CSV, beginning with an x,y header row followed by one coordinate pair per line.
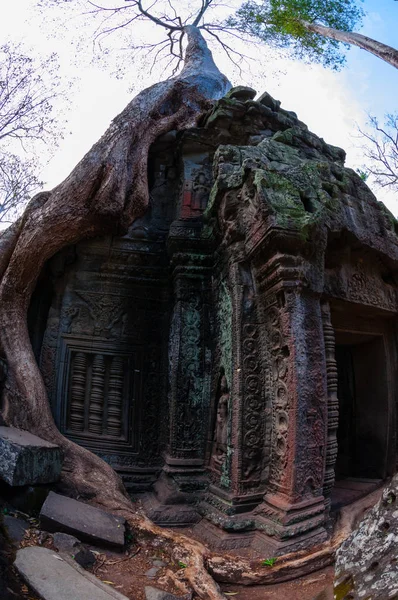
x,y
151,17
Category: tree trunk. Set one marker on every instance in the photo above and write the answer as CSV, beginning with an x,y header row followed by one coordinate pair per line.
x,y
386,53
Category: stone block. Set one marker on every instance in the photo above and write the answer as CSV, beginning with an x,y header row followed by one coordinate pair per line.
x,y
68,544
64,542
53,577
15,528
87,523
152,593
25,459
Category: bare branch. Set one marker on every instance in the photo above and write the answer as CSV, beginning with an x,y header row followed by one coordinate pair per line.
x,y
381,150
152,17
230,52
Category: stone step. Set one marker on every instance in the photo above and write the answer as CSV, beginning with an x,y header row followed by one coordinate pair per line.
x,y
26,459
87,523
55,577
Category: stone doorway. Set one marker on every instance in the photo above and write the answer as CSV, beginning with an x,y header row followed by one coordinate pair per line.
x,y
364,415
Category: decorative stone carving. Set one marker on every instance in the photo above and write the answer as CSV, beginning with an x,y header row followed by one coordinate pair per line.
x,y
105,310
253,409
278,356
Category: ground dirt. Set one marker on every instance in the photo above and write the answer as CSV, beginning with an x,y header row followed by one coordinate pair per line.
x,y
127,573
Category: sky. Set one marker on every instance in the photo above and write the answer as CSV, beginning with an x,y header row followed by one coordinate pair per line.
x,y
332,104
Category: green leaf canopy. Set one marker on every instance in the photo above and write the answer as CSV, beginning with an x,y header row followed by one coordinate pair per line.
x,y
283,23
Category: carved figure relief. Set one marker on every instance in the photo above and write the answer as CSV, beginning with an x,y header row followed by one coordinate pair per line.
x,y
186,372
200,191
220,438
105,310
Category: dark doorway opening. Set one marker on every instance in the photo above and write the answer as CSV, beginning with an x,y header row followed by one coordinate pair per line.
x,y
362,434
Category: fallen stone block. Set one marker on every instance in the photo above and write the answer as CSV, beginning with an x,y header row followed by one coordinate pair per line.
x,y
87,523
53,577
25,459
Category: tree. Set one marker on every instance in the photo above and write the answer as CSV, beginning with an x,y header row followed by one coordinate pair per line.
x,y
381,149
18,181
105,193
312,29
28,89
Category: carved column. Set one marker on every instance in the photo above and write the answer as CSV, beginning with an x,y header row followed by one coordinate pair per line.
x,y
292,513
78,392
115,396
182,480
96,408
333,403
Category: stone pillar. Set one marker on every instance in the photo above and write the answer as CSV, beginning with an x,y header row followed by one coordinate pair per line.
x,y
291,515
183,480
333,403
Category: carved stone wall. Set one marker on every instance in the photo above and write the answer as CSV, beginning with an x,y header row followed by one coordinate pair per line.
x,y
198,349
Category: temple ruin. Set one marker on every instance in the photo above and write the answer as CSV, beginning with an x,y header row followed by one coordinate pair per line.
x,y
233,354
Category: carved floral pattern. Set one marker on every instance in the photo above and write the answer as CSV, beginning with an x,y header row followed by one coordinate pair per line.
x,y
253,410
281,405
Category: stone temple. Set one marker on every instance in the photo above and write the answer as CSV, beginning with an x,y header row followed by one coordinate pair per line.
x,y
233,355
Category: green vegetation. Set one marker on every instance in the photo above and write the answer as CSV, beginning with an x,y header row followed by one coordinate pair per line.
x,y
284,24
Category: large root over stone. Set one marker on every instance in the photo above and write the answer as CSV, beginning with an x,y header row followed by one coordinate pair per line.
x,y
105,193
